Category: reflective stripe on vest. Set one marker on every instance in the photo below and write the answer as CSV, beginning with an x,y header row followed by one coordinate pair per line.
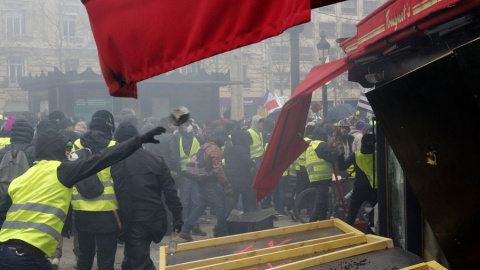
x,y
365,163
317,168
105,202
39,207
256,148
184,159
292,170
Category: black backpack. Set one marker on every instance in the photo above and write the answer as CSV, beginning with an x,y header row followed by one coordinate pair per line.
x,y
196,167
90,187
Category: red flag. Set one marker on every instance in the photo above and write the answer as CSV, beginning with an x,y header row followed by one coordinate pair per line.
x,y
286,142
143,38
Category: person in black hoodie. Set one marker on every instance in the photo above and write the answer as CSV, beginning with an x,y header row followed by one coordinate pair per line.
x,y
238,168
140,181
41,226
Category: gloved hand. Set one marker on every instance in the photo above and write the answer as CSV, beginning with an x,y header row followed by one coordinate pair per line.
x,y
227,189
177,225
149,136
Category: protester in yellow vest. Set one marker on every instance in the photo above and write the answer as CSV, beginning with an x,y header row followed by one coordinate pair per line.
x,y
40,198
257,147
364,177
319,159
95,219
188,147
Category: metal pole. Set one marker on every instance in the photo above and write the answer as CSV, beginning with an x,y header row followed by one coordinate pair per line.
x,y
324,92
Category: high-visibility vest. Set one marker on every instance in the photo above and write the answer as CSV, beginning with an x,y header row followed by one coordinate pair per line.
x,y
301,160
105,202
39,207
318,169
184,159
4,141
256,148
365,163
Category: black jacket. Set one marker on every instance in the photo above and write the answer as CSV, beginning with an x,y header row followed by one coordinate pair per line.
x,y
238,164
139,184
140,181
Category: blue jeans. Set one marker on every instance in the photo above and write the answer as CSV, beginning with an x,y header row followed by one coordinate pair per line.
x,y
189,197
9,260
212,193
279,195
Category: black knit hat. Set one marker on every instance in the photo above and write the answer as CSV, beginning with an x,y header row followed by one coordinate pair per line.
x,y
56,116
103,121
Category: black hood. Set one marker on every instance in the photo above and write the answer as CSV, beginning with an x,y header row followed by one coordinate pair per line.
x,y
125,131
22,132
95,140
51,146
241,138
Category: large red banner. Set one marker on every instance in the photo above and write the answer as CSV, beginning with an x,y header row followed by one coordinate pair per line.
x,y
143,38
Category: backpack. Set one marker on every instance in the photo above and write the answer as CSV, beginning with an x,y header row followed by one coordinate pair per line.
x,y
14,164
90,187
196,167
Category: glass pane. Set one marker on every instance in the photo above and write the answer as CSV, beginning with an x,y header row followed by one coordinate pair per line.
x,y
396,186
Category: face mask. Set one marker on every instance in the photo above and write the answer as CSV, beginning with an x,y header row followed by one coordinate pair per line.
x,y
72,156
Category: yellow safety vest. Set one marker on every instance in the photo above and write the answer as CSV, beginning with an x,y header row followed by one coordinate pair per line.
x,y
39,207
184,159
4,141
301,160
105,202
365,163
256,148
317,168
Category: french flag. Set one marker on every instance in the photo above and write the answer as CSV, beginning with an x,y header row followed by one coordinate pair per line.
x,y
269,101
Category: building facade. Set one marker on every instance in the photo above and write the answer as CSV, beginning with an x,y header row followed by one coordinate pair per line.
x,y
39,35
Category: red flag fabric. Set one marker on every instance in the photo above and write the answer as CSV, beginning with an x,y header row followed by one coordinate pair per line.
x,y
139,39
286,142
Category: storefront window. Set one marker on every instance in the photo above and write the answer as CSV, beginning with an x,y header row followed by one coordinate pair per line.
x,y
396,202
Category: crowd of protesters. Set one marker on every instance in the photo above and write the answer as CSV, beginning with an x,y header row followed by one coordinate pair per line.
x,y
136,188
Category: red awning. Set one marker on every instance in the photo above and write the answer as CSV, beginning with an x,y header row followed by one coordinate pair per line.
x,y
286,142
140,39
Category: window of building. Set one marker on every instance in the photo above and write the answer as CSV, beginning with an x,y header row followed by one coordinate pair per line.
x,y
349,7
15,22
348,30
306,54
16,69
328,28
280,53
69,25
307,30
369,6
72,64
327,9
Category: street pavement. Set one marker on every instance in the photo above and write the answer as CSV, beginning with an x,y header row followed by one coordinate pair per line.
x,y
68,259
